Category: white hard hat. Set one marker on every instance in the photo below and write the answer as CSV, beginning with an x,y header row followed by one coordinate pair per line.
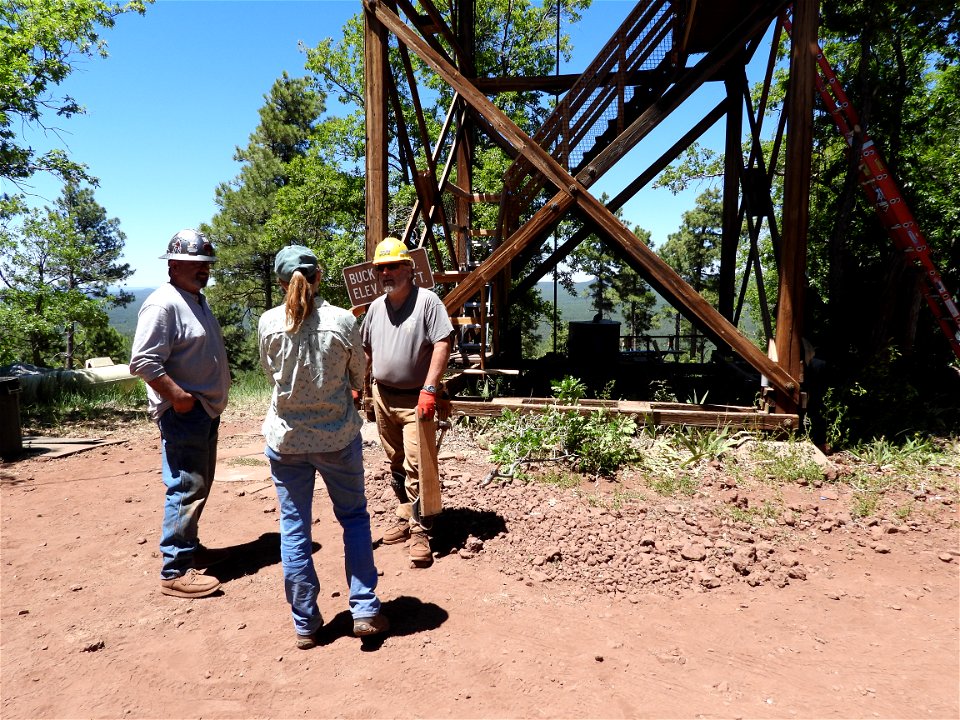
x,y
190,244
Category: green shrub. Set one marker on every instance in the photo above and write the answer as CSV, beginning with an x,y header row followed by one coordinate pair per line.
x,y
110,405
597,443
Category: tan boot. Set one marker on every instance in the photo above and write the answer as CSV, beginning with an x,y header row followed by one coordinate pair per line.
x,y
419,548
362,627
396,533
190,585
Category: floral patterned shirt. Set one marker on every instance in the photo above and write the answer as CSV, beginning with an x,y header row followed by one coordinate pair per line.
x,y
313,372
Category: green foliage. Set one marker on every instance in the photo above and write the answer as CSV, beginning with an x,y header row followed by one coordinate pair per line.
x,y
864,504
694,252
525,316
693,445
40,43
241,230
634,297
58,267
595,258
660,391
755,516
559,479
899,65
910,459
891,396
596,443
522,438
615,284
109,405
670,484
239,338
250,387
601,441
569,390
787,463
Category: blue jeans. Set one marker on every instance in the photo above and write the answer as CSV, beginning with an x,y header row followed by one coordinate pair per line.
x,y
189,457
342,472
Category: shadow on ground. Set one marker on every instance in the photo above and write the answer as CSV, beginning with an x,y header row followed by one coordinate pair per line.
x,y
407,615
452,528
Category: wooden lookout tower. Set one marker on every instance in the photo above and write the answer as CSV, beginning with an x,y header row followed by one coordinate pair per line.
x,y
659,56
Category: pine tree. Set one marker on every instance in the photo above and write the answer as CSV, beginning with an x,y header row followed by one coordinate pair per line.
x,y
245,285
694,252
59,267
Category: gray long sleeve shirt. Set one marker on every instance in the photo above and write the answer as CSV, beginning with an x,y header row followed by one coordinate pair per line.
x,y
177,335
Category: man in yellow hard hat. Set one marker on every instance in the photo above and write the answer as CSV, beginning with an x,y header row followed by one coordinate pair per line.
x,y
406,336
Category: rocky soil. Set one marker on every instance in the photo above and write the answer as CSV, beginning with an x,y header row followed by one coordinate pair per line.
x,y
616,536
736,596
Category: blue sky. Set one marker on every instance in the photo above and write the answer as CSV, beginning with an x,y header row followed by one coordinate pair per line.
x,y
181,90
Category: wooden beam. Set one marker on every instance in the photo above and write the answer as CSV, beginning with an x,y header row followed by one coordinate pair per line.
x,y
706,68
459,192
544,218
661,414
539,83
556,83
450,278
660,275
375,105
732,220
415,211
796,193
435,211
623,197
466,136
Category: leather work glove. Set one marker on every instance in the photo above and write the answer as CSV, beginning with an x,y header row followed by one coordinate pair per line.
x,y
356,398
426,405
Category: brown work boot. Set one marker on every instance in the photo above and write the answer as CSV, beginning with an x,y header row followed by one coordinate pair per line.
x,y
189,585
397,533
362,627
306,642
419,548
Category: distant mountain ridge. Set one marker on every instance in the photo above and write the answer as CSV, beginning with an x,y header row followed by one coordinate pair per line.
x,y
124,319
573,308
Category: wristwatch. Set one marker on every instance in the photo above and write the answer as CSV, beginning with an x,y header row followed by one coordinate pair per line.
x,y
430,389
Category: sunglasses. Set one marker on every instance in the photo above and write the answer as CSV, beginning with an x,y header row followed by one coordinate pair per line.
x,y
387,266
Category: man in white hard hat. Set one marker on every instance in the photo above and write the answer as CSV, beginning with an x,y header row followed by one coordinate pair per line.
x,y
178,350
406,337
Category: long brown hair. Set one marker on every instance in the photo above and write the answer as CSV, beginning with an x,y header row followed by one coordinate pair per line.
x,y
299,300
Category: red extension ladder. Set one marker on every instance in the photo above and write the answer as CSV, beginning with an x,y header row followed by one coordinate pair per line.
x,y
885,196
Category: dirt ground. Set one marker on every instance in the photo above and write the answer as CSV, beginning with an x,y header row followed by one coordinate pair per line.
x,y
541,602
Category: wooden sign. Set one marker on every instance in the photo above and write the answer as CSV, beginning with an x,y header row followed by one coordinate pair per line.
x,y
363,285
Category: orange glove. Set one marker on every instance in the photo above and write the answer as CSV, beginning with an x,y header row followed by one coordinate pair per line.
x,y
356,398
426,405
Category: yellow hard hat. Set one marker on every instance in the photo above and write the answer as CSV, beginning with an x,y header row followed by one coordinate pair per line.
x,y
391,250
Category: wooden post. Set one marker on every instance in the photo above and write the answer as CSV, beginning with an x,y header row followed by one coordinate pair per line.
x,y
375,100
428,465
731,196
464,209
796,195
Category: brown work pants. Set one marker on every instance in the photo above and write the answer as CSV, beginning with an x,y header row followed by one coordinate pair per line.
x,y
397,424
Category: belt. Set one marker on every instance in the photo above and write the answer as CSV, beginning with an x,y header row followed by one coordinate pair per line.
x,y
398,391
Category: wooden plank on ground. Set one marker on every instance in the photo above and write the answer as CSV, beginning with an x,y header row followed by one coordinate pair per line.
x,y
644,412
